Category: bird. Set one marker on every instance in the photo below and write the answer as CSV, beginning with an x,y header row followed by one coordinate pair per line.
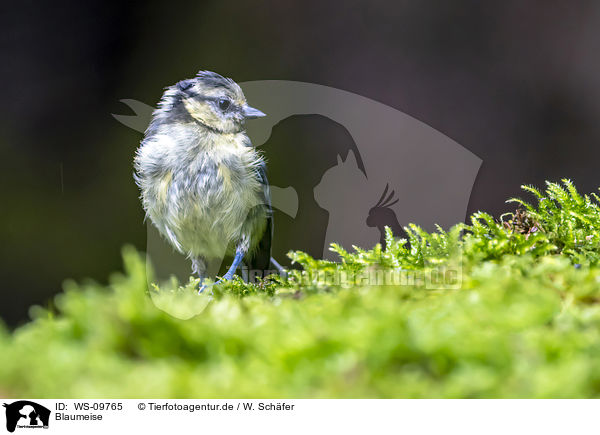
x,y
203,185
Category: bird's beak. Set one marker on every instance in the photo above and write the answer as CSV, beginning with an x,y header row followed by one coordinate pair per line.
x,y
251,112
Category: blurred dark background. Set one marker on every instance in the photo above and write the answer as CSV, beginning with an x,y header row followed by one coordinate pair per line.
x,y
517,83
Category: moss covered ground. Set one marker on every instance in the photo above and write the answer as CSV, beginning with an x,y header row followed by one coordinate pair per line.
x,y
497,307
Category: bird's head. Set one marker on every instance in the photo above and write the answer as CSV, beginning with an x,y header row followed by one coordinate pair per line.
x,y
214,101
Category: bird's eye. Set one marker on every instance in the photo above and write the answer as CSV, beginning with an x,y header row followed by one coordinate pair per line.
x,y
224,104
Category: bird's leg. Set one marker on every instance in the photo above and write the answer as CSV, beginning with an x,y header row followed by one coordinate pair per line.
x,y
237,260
199,268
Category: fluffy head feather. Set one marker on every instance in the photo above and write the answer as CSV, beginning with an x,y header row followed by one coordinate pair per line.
x,y
215,102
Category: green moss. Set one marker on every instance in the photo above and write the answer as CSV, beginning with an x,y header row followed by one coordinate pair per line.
x,y
518,317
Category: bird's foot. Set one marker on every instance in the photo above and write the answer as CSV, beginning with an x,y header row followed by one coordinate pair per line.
x,y
239,255
226,277
204,287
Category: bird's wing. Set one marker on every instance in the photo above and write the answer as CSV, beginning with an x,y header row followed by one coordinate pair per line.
x,y
262,256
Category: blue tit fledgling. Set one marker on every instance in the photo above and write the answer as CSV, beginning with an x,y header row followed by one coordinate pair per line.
x,y
202,183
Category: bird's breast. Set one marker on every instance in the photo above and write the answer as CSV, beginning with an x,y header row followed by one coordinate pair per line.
x,y
221,185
